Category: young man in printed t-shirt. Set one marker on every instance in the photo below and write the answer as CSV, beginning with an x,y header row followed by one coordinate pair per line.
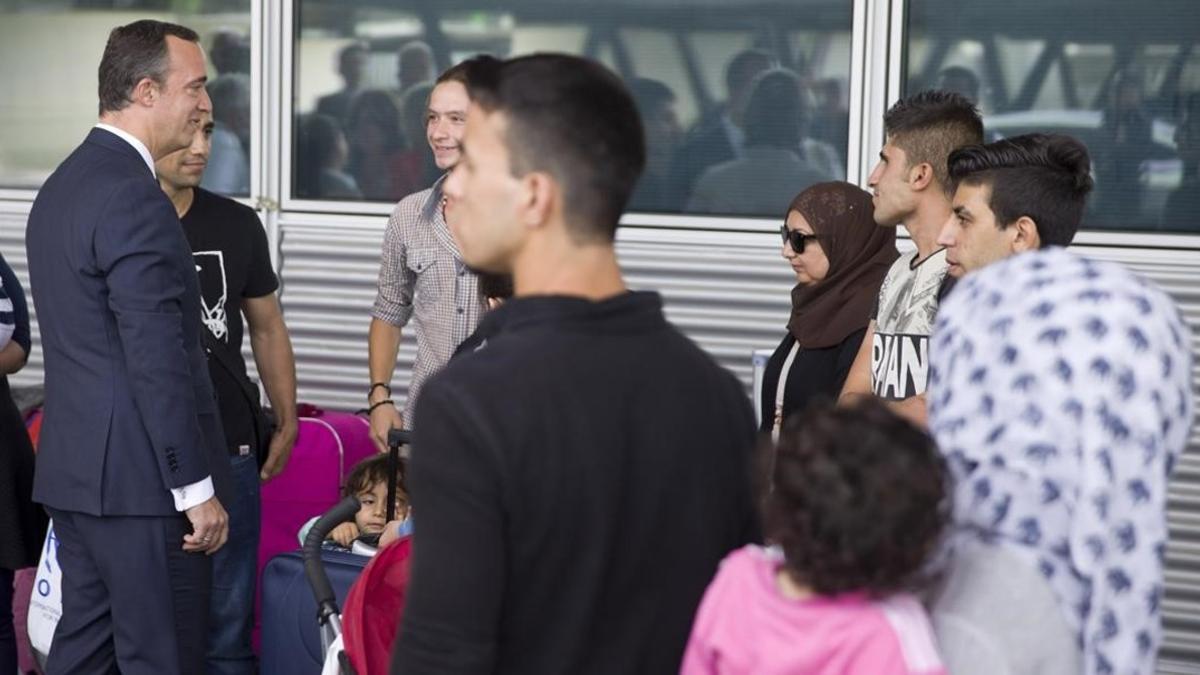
x,y
912,188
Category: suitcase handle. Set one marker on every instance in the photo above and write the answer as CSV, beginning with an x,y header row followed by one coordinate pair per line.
x,y
313,569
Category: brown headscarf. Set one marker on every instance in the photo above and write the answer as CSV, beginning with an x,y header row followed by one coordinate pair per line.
x,y
860,253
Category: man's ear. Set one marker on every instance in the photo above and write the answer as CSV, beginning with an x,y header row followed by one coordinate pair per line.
x,y
1027,237
920,176
145,92
540,194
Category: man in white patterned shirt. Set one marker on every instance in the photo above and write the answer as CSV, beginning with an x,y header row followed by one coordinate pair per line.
x,y
422,277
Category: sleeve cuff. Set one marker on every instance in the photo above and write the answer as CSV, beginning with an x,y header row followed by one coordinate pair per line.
x,y
193,495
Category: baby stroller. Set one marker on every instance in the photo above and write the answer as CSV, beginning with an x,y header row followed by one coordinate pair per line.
x,y
364,647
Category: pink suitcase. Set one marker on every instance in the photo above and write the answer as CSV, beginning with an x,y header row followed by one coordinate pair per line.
x,y
328,445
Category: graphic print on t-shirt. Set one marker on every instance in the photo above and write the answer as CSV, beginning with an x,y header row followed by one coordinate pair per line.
x,y
210,267
908,301
899,364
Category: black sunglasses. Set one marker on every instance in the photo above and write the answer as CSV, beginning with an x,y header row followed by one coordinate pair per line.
x,y
796,238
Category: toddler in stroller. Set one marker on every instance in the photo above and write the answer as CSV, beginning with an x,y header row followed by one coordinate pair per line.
x,y
351,644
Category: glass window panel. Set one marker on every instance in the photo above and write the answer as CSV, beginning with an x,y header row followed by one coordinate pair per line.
x,y
50,82
1124,78
705,155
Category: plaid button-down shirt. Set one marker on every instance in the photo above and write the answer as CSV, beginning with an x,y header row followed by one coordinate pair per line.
x,y
422,277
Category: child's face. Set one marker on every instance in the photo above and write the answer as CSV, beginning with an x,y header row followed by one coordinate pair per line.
x,y
371,515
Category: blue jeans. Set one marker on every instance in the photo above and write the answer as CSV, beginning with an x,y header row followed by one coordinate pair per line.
x,y
231,613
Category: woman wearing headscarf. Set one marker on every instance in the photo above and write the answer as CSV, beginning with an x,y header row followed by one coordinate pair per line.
x,y
1060,395
22,523
839,256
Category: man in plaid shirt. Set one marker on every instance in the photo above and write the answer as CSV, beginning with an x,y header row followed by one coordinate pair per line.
x,y
421,275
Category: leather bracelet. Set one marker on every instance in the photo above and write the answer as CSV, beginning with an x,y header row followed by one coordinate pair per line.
x,y
378,384
375,405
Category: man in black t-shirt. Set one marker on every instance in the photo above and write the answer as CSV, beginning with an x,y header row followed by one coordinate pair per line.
x,y
236,278
578,475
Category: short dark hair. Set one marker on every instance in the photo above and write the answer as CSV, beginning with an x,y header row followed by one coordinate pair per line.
x,y
374,470
859,499
775,111
135,51
930,125
572,118
1046,177
456,73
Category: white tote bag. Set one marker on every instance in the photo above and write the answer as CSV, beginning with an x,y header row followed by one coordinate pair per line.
x,y
45,602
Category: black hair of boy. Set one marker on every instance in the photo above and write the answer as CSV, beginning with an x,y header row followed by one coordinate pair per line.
x,y
1046,177
372,471
859,501
573,119
928,126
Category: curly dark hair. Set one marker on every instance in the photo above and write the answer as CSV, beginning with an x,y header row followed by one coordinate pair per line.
x,y
859,499
374,470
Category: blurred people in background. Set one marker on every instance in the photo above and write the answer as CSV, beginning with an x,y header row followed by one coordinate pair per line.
x,y
376,145
718,137
656,106
830,118
414,65
321,164
1124,143
352,67
229,167
961,81
1182,211
773,164
230,52
839,256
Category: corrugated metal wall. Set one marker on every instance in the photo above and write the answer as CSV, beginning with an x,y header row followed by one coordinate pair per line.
x,y
728,291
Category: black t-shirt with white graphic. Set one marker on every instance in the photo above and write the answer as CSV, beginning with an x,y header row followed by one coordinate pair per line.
x,y
233,262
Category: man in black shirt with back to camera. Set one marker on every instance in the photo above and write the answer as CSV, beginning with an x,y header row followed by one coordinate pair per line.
x,y
577,477
234,265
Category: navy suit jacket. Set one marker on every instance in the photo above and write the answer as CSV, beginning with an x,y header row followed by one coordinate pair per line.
x,y
130,412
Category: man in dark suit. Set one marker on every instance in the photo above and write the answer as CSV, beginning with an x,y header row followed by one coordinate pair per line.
x,y
132,464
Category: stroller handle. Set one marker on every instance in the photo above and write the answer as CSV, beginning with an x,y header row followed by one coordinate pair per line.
x,y
313,569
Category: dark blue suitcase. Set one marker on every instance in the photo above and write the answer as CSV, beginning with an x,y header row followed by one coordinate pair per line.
x,y
291,642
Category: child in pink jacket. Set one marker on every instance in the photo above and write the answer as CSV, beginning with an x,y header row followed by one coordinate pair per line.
x,y
857,503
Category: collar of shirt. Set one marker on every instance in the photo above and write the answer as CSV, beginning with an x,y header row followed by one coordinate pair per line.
x,y
132,140
628,312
